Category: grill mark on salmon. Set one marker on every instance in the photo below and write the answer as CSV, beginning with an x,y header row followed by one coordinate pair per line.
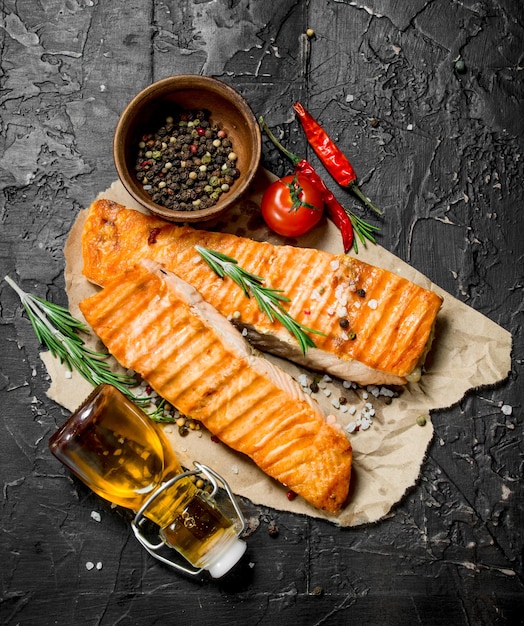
x,y
158,325
391,339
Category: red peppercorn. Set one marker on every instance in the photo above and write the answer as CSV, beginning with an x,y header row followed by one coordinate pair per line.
x,y
201,131
291,495
193,148
215,439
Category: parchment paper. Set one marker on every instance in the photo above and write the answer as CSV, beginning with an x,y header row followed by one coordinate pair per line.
x,y
469,351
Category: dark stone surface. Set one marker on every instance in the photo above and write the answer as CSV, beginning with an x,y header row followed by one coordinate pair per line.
x,y
444,162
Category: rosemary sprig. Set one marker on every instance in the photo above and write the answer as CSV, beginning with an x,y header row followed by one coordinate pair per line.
x,y
364,230
268,299
57,329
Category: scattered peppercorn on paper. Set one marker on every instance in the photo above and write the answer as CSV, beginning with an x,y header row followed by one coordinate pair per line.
x,y
390,431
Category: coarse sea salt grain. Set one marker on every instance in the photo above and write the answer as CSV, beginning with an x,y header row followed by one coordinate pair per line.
x,y
342,299
95,515
373,304
373,390
506,409
365,423
335,264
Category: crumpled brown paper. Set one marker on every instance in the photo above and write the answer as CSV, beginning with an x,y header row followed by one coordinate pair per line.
x,y
469,351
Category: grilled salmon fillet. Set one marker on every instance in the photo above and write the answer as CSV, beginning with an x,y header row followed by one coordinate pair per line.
x,y
377,326
157,324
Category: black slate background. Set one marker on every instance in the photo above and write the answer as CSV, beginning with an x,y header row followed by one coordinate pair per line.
x,y
445,162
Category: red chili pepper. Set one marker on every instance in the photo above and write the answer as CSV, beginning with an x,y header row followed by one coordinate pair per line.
x,y
333,159
344,220
335,210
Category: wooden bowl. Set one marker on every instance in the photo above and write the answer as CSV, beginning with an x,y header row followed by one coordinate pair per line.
x,y
148,111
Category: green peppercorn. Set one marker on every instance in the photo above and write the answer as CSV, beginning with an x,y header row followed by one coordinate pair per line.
x,y
460,66
421,420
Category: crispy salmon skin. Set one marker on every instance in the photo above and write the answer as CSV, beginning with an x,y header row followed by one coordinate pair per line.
x,y
377,326
158,325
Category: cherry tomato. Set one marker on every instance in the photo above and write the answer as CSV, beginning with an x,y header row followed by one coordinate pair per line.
x,y
286,206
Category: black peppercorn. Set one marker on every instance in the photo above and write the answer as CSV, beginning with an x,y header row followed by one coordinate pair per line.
x,y
272,530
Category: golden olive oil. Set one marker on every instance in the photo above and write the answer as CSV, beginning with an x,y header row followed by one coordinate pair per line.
x,y
113,447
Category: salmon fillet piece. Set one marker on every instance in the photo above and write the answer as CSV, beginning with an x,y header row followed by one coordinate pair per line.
x,y
157,324
377,325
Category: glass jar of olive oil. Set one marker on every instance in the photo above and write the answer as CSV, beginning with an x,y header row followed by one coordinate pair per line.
x,y
123,456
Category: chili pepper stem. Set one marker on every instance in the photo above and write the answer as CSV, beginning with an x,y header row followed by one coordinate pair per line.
x,y
355,189
292,157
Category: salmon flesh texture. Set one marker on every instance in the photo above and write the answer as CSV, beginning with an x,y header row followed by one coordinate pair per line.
x,y
157,324
377,326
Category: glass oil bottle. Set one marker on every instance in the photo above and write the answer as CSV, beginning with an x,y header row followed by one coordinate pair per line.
x,y
123,456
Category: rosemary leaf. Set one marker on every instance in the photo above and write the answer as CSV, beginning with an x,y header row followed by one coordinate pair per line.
x,y
268,299
362,229
57,329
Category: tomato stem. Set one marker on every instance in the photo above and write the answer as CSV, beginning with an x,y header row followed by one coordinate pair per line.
x,y
294,193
